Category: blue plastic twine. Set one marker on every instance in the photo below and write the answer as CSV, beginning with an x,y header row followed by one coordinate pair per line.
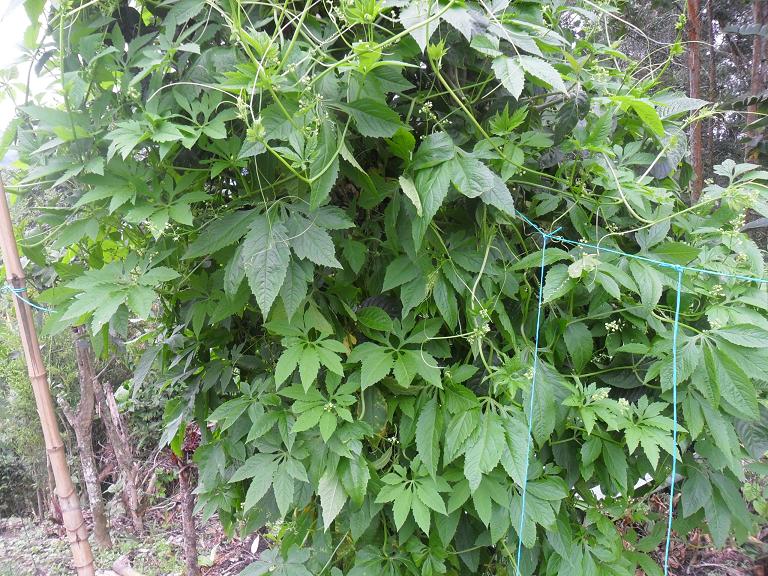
x,y
545,236
675,327
18,293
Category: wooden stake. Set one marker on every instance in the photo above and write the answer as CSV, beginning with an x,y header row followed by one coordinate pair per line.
x,y
77,532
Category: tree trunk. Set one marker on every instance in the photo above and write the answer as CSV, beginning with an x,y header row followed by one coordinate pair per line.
x,y
93,488
756,80
694,71
188,520
712,85
81,422
118,438
40,502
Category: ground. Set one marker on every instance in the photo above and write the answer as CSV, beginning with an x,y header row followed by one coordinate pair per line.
x,y
35,548
28,547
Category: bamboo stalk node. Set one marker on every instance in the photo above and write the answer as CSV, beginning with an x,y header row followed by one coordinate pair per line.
x,y
72,516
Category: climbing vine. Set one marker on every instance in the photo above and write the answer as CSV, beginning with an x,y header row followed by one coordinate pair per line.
x,y
306,216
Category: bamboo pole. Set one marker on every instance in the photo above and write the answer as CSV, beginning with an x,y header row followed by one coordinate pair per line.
x,y
77,532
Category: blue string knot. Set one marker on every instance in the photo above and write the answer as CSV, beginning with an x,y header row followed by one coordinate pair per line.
x,y
550,235
18,293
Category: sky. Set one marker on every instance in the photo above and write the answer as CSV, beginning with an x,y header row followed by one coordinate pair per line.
x,y
13,22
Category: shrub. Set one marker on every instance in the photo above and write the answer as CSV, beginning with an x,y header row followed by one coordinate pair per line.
x,y
316,206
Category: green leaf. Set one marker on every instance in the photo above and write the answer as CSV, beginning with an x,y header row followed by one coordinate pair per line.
x,y
354,478
309,419
460,428
140,300
429,430
328,425
158,275
744,335
401,507
645,111
421,514
375,318
287,363
649,282
409,189
374,118
324,168
220,233
514,457
294,288
265,259
735,387
309,366
228,413
399,271
510,73
542,70
261,481
376,365
311,242
676,252
429,496
355,253
471,176
332,497
557,283
551,256
433,150
485,450
498,196
432,186
696,491
578,341
718,519
283,489
754,434
544,413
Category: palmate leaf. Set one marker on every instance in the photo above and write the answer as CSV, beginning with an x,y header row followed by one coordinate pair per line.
x,y
326,396
271,562
265,259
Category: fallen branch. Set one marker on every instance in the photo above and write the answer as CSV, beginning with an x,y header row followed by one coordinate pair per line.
x,y
727,569
123,567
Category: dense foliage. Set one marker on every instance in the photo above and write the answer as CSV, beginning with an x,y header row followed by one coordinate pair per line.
x,y
21,445
306,215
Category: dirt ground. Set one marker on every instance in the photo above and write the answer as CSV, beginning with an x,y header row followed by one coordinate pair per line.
x,y
35,548
31,548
